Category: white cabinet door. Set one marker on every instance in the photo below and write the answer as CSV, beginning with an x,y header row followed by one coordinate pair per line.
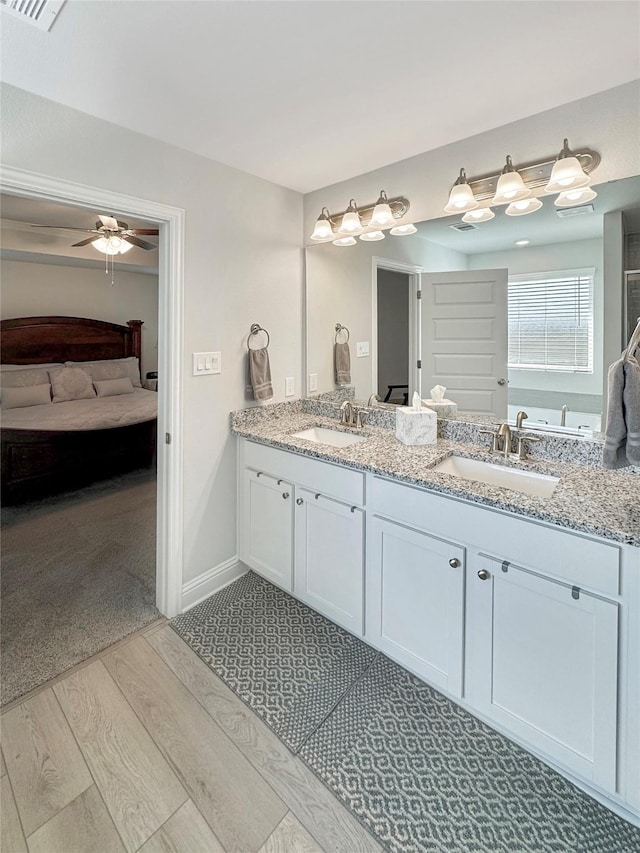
x,y
267,527
549,663
329,558
415,602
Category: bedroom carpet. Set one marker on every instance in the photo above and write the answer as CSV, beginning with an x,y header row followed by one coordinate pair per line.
x,y
419,772
78,574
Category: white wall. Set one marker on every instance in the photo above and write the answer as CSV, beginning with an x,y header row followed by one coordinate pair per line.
x,y
339,289
608,123
242,265
556,256
32,290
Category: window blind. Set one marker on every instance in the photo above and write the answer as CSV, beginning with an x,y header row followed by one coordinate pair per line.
x,y
551,321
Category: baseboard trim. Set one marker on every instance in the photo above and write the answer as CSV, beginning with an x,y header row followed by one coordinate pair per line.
x,y
196,590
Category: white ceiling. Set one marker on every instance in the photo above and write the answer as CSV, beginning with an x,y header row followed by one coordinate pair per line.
x,y
307,94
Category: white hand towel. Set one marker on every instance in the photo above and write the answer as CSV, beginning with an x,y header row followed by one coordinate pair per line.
x,y
622,432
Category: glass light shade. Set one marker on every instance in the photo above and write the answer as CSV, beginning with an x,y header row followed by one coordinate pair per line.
x,y
524,206
483,214
566,174
403,230
510,188
345,241
112,245
572,198
322,229
372,236
461,199
350,223
382,214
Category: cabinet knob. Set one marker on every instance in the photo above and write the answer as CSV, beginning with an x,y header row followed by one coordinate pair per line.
x,y
454,563
285,495
483,574
299,501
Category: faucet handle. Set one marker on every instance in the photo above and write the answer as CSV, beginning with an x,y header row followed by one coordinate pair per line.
x,y
522,444
494,438
359,418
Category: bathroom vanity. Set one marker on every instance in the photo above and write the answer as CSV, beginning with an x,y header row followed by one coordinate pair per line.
x,y
523,609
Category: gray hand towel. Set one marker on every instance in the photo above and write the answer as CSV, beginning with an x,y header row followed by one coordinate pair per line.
x,y
622,432
260,374
342,364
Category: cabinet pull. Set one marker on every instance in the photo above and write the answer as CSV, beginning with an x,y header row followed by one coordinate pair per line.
x,y
259,474
354,508
454,562
299,501
285,495
483,574
317,495
575,592
280,482
505,566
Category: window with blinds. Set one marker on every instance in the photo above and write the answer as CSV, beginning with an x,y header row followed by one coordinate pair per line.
x,y
551,321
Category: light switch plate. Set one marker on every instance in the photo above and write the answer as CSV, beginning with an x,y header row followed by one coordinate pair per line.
x,y
206,363
362,349
289,386
313,382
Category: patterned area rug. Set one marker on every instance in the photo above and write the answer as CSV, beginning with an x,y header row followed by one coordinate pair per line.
x,y
419,772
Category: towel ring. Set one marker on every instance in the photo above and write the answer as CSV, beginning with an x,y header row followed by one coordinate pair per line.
x,y
341,328
256,328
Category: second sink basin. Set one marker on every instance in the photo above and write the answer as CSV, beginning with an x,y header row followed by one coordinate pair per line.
x,y
525,482
332,437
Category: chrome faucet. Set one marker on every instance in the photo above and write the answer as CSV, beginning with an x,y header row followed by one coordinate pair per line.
x,y
504,433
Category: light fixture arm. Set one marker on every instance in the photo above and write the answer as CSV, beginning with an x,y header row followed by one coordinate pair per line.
x,y
399,207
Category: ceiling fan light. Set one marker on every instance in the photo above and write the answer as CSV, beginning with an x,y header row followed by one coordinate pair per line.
x,y
112,245
345,241
322,229
382,214
510,186
461,197
372,236
573,198
403,230
483,214
351,223
524,206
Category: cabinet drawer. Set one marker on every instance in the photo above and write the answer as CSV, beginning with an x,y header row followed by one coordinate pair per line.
x,y
331,480
570,557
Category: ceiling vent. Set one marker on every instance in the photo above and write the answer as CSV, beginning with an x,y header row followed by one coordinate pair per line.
x,y
464,226
39,13
563,212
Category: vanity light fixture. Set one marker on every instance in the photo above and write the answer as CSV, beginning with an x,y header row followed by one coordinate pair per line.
x,y
382,214
524,206
345,241
572,198
403,230
510,185
351,224
322,229
567,173
112,245
461,197
372,236
483,214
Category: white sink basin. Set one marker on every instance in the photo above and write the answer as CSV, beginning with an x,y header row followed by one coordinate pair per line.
x,y
526,482
333,437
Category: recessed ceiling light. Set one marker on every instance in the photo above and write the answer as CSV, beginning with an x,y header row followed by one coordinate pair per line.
x,y
522,242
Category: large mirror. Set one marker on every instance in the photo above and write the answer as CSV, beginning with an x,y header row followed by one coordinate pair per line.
x,y
515,313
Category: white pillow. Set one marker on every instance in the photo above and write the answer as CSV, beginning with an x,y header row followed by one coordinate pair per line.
x,y
22,375
113,387
71,383
112,368
28,395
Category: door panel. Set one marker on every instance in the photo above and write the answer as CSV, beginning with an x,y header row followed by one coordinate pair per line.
x,y
268,527
464,338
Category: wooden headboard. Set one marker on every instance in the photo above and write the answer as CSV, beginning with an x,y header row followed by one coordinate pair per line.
x,y
38,340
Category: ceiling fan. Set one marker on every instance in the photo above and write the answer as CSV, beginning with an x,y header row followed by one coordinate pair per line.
x,y
111,236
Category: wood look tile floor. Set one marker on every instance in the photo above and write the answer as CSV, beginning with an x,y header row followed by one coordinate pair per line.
x,y
143,748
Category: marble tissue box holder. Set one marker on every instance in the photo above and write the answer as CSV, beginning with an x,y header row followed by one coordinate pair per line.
x,y
416,427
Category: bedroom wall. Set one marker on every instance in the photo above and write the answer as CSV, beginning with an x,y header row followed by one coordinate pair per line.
x,y
243,264
33,289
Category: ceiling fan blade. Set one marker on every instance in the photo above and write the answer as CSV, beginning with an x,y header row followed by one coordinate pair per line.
x,y
84,242
150,231
136,241
109,222
64,228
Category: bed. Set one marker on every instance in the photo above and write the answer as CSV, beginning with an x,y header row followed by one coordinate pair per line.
x,y
59,444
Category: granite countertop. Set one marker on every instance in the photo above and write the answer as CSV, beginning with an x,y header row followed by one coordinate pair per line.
x,y
587,499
